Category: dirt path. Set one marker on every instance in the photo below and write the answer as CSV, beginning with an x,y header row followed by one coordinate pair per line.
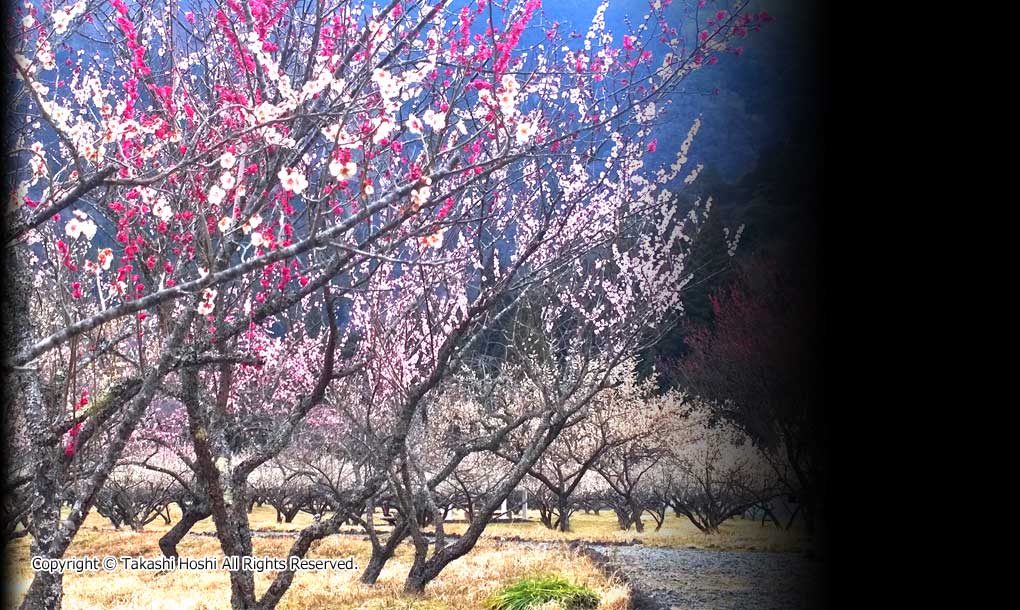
x,y
695,579
689,578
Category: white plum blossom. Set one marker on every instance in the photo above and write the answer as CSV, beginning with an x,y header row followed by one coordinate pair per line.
x,y
648,113
38,160
227,160
276,138
524,132
508,97
389,87
80,225
265,112
88,229
45,56
433,119
342,171
251,224
216,194
414,124
61,19
73,228
691,177
420,196
224,224
383,127
292,180
162,210
118,289
509,82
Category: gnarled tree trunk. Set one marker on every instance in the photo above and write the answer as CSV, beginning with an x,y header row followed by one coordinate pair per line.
x,y
190,516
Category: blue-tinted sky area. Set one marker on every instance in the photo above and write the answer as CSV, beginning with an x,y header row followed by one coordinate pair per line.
x,y
748,104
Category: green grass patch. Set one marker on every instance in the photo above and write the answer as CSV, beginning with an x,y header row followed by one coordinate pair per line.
x,y
537,590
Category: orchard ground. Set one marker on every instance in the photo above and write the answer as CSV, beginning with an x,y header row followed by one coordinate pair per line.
x,y
467,583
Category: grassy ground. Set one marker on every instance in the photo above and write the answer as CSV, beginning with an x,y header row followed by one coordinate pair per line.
x,y
736,534
464,585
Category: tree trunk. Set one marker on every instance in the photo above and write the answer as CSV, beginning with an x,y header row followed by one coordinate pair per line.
x,y
421,574
45,593
768,513
227,500
417,576
564,509
46,590
545,514
635,517
415,582
190,516
374,567
382,553
242,582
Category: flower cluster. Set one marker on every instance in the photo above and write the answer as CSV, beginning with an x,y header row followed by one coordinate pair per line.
x,y
62,17
206,306
435,120
292,180
80,225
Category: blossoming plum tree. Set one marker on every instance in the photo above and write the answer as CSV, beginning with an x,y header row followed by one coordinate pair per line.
x,y
749,368
645,436
189,173
716,472
615,418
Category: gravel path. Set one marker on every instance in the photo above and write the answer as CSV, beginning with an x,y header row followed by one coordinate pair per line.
x,y
695,579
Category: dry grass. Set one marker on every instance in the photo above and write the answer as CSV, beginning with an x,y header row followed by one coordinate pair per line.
x,y
735,535
465,584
